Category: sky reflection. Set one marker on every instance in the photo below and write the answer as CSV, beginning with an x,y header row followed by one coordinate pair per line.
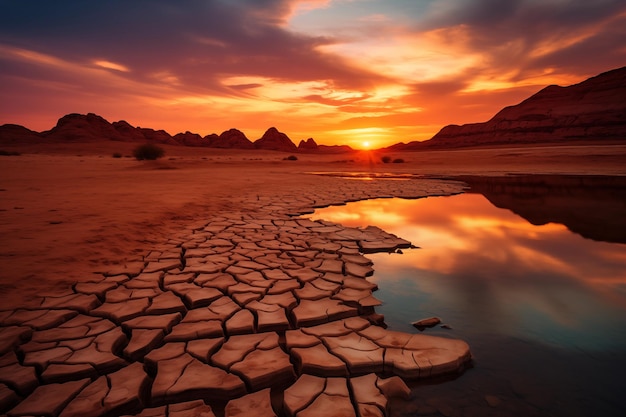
x,y
488,270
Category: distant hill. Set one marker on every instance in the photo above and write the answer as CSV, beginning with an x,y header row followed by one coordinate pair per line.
x,y
590,205
594,109
91,128
311,146
230,139
11,133
274,140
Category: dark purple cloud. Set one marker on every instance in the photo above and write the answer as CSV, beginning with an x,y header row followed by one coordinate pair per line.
x,y
223,61
514,33
605,50
441,87
530,18
197,41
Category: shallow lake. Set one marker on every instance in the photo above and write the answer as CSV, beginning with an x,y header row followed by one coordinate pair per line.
x,y
542,307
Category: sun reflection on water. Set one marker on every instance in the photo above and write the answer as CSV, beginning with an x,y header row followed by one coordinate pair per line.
x,y
482,264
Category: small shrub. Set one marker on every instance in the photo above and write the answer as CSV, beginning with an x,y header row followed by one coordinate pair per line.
x,y
386,159
117,155
398,161
291,158
148,151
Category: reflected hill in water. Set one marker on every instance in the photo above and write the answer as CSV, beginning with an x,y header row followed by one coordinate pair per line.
x,y
592,206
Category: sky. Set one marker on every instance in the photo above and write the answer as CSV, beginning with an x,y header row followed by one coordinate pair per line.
x,y
366,73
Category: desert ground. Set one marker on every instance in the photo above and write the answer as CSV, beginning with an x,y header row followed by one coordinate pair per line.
x,y
71,212
68,209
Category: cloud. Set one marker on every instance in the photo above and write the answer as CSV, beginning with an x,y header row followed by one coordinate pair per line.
x,y
197,41
166,64
111,65
605,49
336,101
520,34
411,66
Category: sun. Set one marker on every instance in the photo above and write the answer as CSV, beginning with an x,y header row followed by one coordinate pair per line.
x,y
366,144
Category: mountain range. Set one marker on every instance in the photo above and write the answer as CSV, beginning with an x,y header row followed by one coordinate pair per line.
x,y
91,127
594,109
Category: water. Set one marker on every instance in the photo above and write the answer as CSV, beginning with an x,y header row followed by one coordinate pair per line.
x,y
542,307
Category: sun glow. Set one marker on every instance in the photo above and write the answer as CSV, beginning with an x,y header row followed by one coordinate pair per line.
x,y
363,138
363,73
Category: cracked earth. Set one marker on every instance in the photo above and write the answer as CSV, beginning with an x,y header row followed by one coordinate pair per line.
x,y
252,311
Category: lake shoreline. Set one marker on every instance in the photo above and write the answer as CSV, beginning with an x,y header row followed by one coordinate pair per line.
x,y
80,217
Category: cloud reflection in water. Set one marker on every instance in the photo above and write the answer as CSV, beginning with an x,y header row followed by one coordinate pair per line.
x,y
486,270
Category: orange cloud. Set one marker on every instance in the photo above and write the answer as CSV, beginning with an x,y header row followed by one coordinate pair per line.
x,y
111,65
338,71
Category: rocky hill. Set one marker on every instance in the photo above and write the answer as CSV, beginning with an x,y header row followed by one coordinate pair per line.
x,y
190,139
590,205
594,109
311,146
274,140
79,127
307,145
13,134
91,127
231,139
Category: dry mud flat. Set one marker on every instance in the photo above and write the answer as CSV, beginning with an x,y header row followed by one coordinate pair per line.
x,y
248,311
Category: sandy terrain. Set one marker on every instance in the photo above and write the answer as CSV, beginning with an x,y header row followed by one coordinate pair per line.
x,y
151,285
67,210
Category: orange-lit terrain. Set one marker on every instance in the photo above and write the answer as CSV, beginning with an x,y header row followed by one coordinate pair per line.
x,y
331,70
190,282
71,213
209,281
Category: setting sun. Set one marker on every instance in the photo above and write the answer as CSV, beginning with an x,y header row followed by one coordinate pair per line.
x,y
335,71
310,207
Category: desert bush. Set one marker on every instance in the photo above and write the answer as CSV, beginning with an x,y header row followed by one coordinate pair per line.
x,y
291,158
117,155
386,159
398,161
148,151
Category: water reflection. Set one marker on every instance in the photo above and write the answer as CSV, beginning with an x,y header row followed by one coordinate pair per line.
x,y
542,307
490,269
592,206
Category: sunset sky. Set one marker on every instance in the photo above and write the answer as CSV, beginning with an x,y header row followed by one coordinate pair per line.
x,y
340,71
